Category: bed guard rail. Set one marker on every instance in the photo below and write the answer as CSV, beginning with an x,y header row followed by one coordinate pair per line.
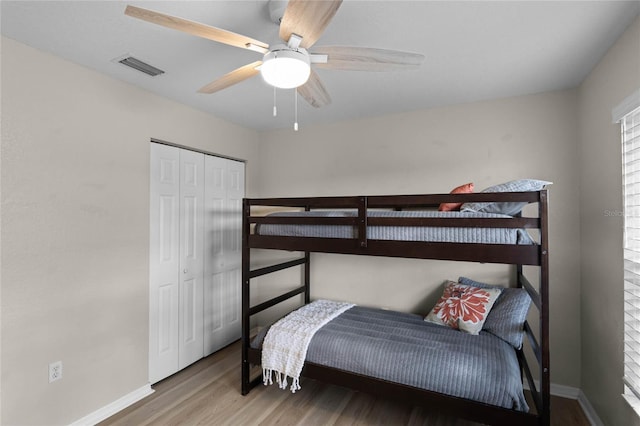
x,y
361,222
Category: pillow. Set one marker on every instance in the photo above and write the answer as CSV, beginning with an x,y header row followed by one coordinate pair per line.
x,y
521,185
508,314
467,188
463,307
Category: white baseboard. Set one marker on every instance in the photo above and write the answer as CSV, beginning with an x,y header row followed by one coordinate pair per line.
x,y
564,391
135,396
573,393
116,406
591,414
557,390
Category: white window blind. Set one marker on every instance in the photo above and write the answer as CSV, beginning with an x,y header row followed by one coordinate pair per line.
x,y
630,126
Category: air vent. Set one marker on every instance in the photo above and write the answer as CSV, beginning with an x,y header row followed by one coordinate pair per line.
x,y
137,64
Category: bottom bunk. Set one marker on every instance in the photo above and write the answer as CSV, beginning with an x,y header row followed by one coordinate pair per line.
x,y
401,356
403,348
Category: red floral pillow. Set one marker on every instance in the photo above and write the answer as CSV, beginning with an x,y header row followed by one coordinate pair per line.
x,y
463,307
467,188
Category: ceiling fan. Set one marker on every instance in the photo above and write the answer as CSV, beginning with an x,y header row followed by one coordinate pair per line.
x,y
289,65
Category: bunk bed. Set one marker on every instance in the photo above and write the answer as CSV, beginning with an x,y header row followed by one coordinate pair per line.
x,y
364,225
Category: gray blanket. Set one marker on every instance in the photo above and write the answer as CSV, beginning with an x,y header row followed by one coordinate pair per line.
x,y
402,348
401,233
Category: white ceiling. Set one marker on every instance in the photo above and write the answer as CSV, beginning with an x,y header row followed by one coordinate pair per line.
x,y
474,50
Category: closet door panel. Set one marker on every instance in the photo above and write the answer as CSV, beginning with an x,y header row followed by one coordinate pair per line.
x,y
224,190
215,225
235,194
215,213
213,306
164,262
232,305
167,331
191,257
233,252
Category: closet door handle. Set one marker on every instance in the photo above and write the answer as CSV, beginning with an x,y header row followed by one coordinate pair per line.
x,y
185,271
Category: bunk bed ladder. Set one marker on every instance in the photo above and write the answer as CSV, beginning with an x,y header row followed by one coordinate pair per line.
x,y
247,310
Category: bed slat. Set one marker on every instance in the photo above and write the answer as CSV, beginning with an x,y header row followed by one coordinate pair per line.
x,y
275,268
488,253
301,220
535,346
272,302
459,222
533,293
456,222
535,393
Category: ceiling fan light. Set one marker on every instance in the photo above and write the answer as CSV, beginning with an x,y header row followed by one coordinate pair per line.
x,y
286,69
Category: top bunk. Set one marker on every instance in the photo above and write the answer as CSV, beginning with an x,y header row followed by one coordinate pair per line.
x,y
407,226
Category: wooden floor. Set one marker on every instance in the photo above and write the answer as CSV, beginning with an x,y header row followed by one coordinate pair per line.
x,y
208,393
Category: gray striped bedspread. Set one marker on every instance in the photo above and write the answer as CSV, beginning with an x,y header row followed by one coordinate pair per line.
x,y
401,233
403,348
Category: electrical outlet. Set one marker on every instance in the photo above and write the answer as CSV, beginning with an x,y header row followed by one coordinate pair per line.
x,y
55,371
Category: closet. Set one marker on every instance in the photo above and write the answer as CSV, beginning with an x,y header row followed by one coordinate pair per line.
x,y
195,256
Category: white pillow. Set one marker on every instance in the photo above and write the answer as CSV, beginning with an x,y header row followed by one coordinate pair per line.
x,y
520,185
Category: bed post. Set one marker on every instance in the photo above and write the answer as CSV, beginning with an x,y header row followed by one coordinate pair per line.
x,y
307,272
362,221
307,277
246,281
520,284
545,374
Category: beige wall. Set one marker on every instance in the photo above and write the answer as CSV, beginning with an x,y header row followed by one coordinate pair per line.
x,y
432,151
75,220
74,250
615,77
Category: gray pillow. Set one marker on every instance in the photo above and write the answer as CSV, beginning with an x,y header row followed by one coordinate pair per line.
x,y
520,185
508,314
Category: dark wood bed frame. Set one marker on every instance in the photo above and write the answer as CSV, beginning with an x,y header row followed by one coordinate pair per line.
x,y
517,255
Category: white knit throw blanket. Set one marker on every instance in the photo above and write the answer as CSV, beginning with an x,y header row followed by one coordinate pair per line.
x,y
285,346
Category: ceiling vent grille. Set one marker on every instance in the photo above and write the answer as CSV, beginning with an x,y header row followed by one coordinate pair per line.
x,y
137,64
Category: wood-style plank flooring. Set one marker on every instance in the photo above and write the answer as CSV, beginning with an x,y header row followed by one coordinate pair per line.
x,y
208,393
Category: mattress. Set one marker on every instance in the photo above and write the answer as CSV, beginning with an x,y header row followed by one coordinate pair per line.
x,y
403,348
400,233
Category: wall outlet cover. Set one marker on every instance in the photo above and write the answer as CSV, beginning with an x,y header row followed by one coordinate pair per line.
x,y
55,371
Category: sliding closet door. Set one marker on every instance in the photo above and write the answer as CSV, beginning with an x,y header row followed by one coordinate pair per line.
x,y
224,190
191,257
176,322
164,262
195,257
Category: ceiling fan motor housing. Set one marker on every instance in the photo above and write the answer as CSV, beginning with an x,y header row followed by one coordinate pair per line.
x,y
286,68
276,10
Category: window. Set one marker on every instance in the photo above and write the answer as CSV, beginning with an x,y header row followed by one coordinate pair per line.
x,y
630,126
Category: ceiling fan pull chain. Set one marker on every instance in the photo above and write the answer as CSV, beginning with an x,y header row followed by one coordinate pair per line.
x,y
295,124
275,109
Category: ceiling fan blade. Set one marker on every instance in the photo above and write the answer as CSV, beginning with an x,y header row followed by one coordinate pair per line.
x,y
235,76
197,29
308,19
313,91
367,59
